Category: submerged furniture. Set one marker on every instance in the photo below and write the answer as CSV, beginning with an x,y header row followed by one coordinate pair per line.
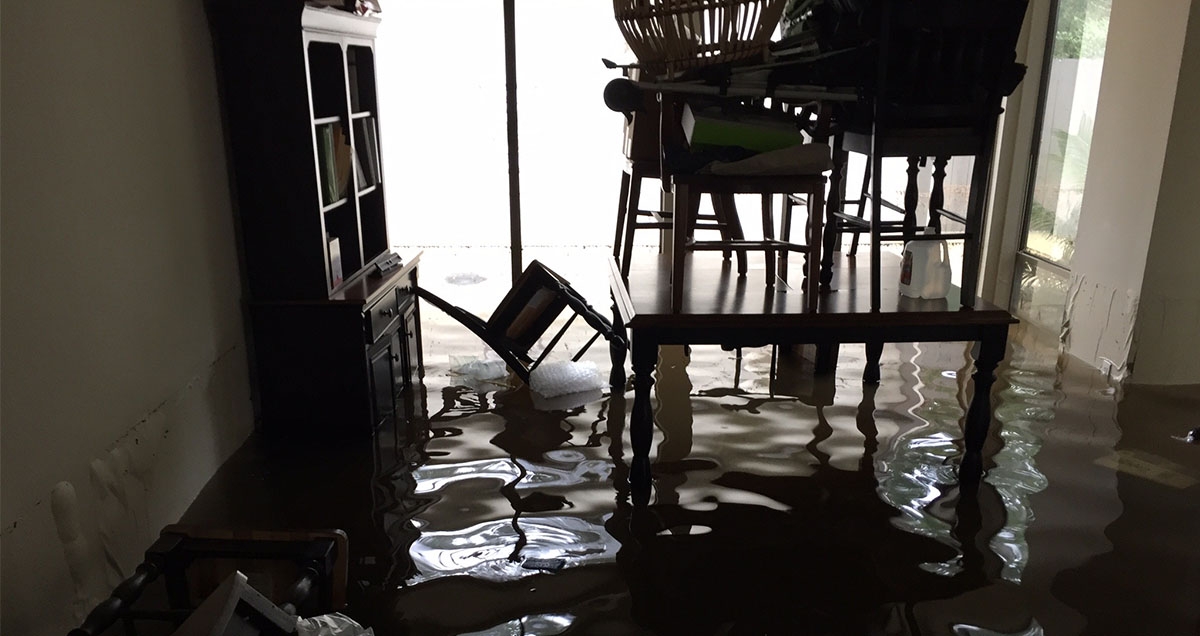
x,y
307,569
678,581
719,308
334,334
942,69
935,74
525,314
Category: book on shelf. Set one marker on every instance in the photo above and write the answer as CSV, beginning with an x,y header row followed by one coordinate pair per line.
x,y
335,161
368,150
341,159
335,262
363,184
325,163
373,147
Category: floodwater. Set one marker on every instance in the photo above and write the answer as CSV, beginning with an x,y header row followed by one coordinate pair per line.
x,y
782,503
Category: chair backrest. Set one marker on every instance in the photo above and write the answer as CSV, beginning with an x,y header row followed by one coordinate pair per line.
x,y
529,308
945,62
642,117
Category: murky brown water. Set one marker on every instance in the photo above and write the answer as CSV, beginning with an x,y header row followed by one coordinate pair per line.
x,y
783,503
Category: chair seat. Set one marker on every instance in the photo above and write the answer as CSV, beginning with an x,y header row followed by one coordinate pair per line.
x,y
749,184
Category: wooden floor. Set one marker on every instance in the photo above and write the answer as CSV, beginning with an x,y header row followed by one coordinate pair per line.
x,y
715,296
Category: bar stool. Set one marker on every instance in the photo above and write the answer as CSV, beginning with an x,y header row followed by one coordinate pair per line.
x,y
942,73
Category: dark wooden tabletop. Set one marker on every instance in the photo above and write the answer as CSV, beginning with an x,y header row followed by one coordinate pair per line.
x,y
715,297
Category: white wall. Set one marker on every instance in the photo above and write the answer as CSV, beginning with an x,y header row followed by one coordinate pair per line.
x,y
1168,321
124,366
1125,168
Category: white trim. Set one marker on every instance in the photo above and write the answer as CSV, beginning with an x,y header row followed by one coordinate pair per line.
x,y
338,22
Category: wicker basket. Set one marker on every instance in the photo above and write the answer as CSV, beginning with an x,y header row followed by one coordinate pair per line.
x,y
672,36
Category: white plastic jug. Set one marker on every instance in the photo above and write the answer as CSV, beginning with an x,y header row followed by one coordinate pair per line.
x,y
925,269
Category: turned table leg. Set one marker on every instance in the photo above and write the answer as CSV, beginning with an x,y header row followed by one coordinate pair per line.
x,y
641,421
616,351
871,370
979,413
827,356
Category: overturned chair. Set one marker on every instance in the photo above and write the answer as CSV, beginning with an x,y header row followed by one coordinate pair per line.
x,y
308,569
526,313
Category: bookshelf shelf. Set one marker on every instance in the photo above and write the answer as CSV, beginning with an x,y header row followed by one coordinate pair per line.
x,y
334,344
335,205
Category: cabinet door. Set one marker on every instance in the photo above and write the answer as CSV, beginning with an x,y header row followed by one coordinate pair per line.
x,y
411,370
385,360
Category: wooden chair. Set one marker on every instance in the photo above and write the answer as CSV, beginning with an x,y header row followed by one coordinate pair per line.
x,y
310,569
807,183
641,146
942,69
525,314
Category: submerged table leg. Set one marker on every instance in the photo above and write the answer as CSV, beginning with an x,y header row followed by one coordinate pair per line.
x,y
874,353
616,351
616,445
827,355
641,421
979,413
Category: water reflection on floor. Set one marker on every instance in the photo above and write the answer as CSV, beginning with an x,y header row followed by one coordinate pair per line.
x,y
784,503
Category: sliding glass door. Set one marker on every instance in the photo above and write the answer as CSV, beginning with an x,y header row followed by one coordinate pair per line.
x,y
1070,88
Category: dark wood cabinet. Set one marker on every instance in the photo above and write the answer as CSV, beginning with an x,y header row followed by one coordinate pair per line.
x,y
334,332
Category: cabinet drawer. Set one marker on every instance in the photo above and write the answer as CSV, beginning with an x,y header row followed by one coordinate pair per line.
x,y
405,297
381,317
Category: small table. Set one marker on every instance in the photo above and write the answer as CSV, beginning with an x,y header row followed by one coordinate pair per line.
x,y
718,307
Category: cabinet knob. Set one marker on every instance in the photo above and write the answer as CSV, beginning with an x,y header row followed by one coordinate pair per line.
x,y
395,357
388,312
